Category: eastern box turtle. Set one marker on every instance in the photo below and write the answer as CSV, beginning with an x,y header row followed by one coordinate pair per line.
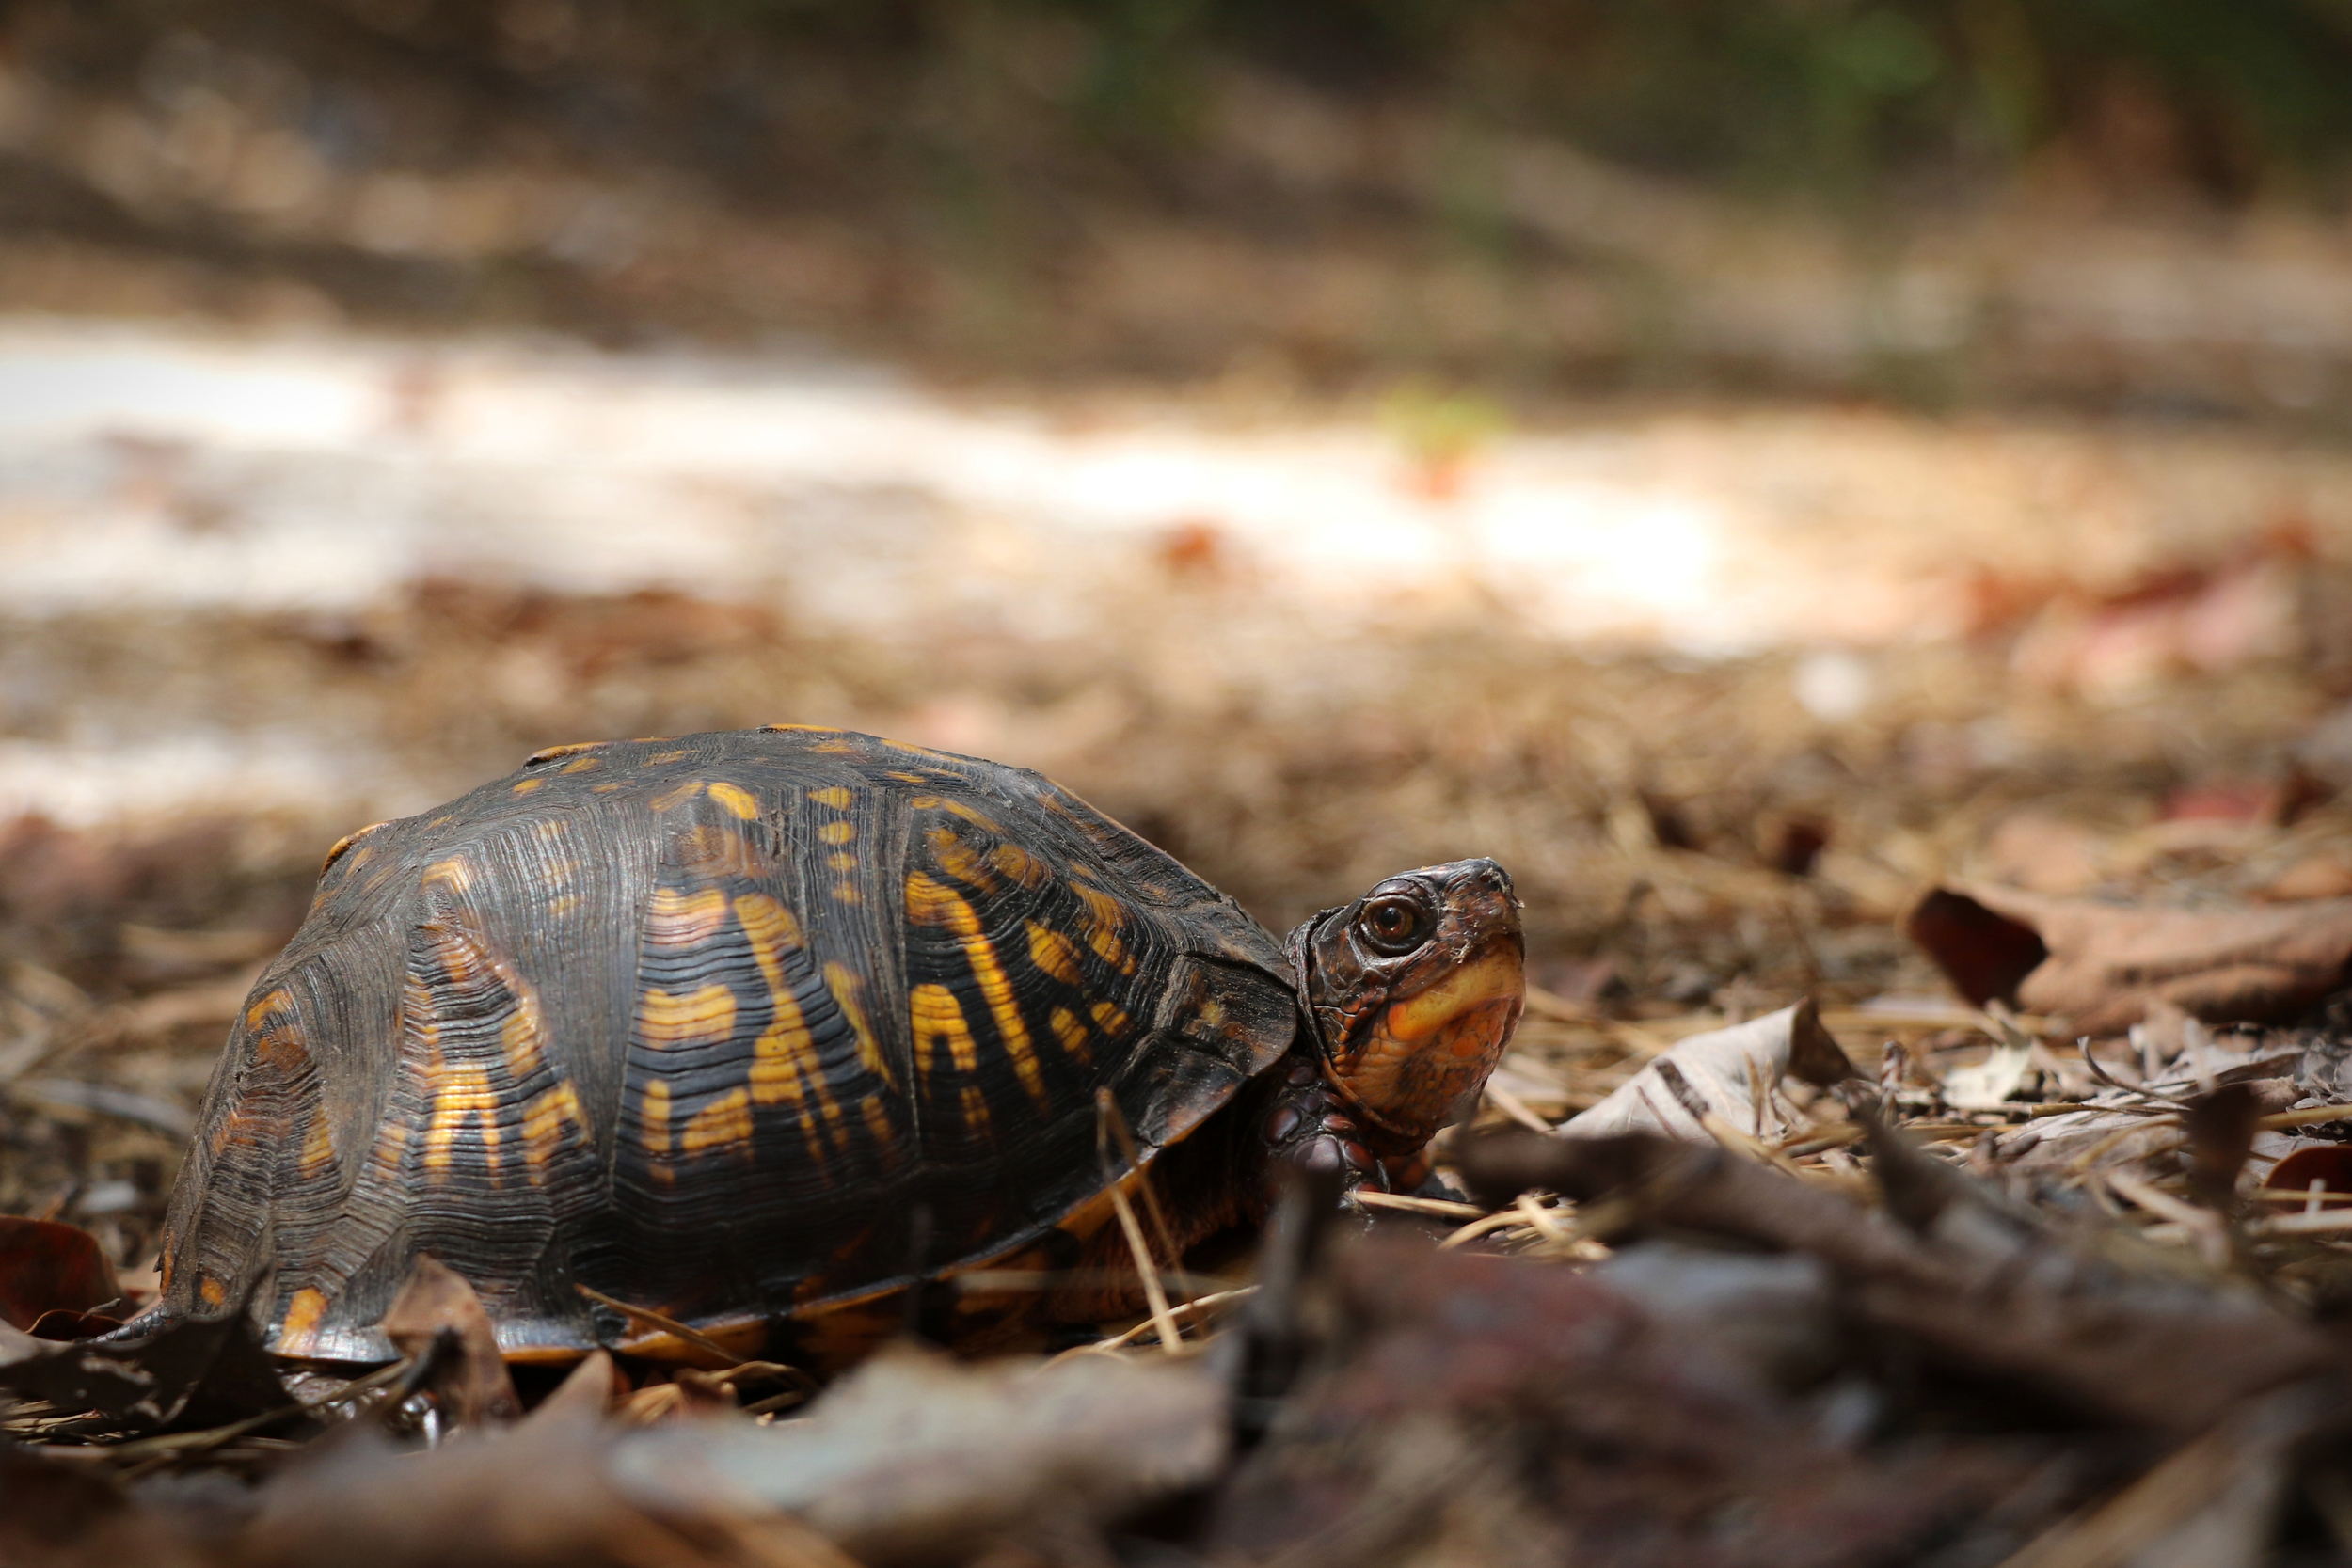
x,y
760,1029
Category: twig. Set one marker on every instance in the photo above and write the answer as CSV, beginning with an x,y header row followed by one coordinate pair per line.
x,y
2084,1160
1443,1208
2293,1194
154,1451
2308,1115
2101,1074
1500,1220
1107,1113
1147,1269
1197,1306
1022,1281
1546,1223
2303,1225
694,1336
2159,1202
1516,1109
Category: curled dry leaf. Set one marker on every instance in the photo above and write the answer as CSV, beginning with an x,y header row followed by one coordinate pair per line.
x,y
47,1267
2102,966
1734,1074
437,1306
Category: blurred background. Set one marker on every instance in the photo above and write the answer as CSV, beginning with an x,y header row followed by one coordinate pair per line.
x,y
1730,460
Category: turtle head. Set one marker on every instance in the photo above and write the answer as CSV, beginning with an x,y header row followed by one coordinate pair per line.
x,y
1413,991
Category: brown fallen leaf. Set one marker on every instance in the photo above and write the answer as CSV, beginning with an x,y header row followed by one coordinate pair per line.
x,y
192,1372
48,1267
914,1458
2101,966
1732,1074
437,1307
589,1393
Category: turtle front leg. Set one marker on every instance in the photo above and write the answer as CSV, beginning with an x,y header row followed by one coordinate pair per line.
x,y
1310,1126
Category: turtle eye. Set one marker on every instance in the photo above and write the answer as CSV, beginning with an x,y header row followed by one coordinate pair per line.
x,y
1393,925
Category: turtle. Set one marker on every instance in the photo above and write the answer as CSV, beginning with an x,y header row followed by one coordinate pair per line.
x,y
762,1032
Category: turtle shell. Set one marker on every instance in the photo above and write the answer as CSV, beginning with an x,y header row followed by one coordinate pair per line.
x,y
743,1027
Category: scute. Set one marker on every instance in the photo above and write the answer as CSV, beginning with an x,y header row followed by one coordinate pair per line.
x,y
737,1025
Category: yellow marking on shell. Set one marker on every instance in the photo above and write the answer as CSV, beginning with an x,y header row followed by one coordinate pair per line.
x,y
847,892
318,1146
606,787
838,832
264,1007
724,1123
653,1116
454,874
344,842
964,809
845,983
1019,865
736,799
1053,952
582,765
1072,1034
935,1015
676,795
1103,922
773,930
526,786
961,861
544,1120
1110,1020
563,905
974,1108
835,795
839,747
877,1116
352,860
842,861
549,754
932,903
669,756
464,1095
299,1334
777,1055
676,918
906,778
392,1142
519,1037
714,850
702,1016
214,1291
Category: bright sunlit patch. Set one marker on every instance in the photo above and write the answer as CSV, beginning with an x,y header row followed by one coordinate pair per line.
x,y
1592,560
166,465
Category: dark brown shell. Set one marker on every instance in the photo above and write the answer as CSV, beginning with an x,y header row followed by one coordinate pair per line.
x,y
736,1025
